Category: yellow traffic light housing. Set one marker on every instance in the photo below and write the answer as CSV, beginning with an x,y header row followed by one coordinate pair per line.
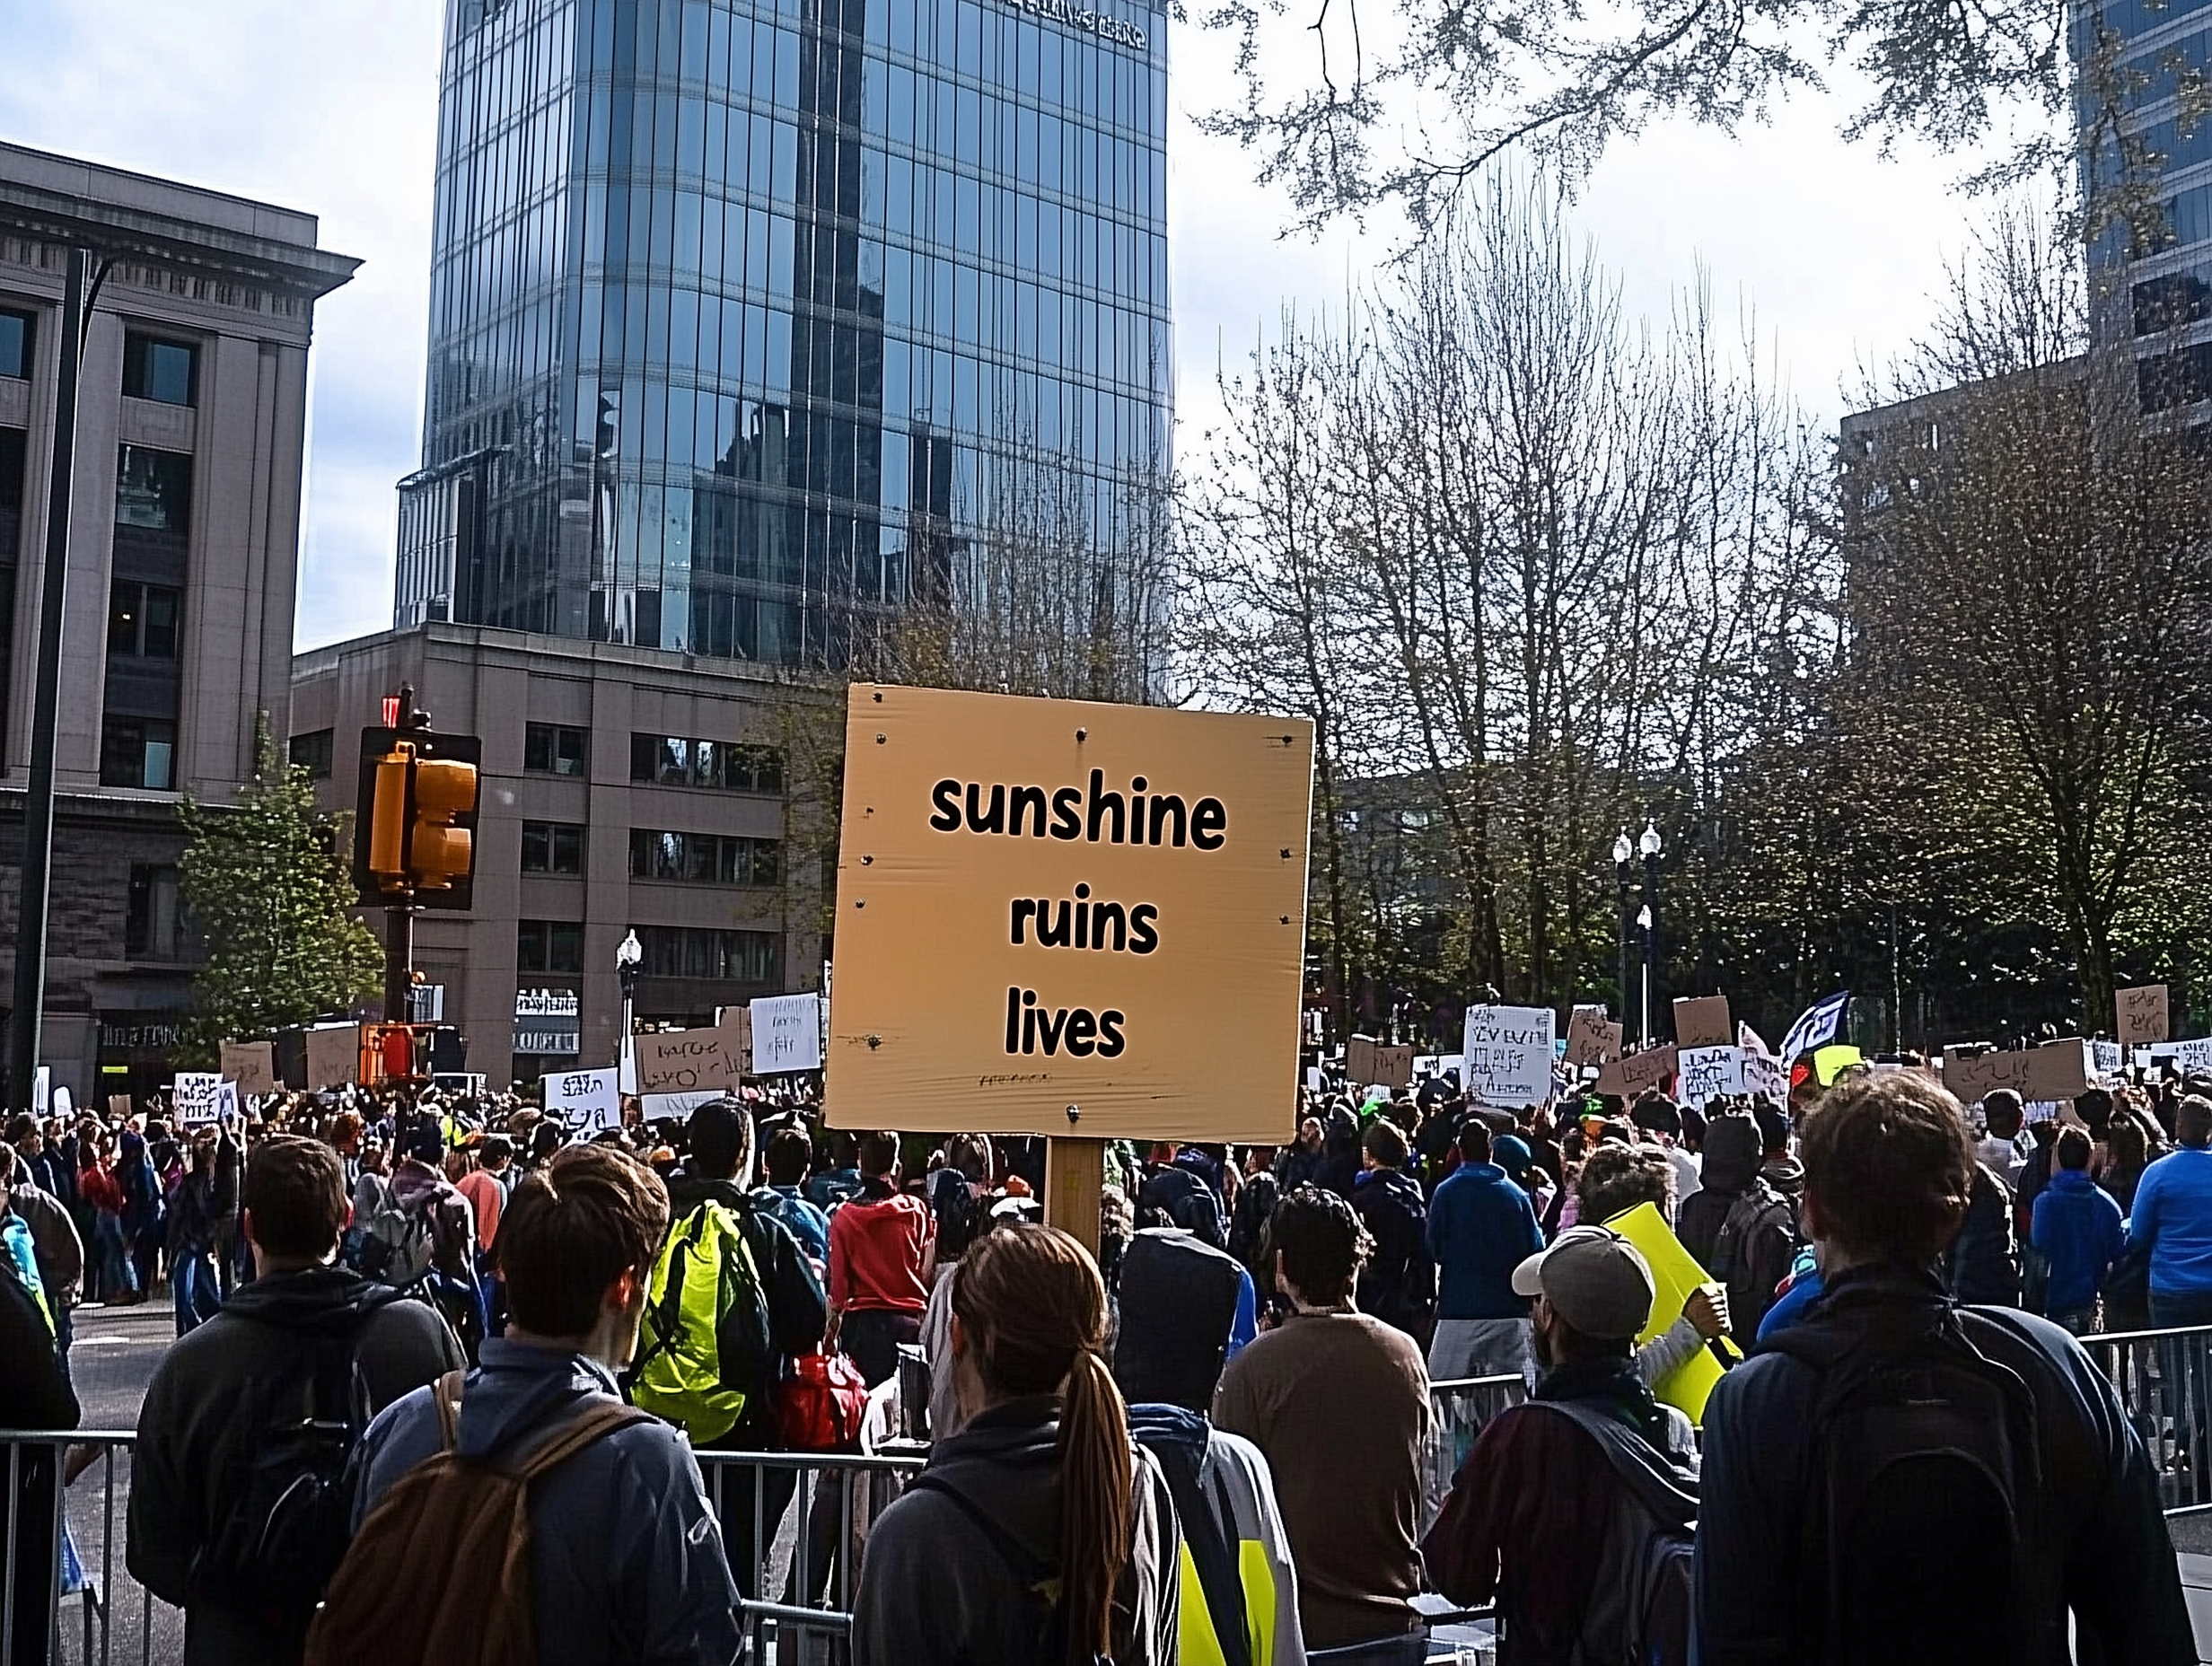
x,y
438,851
412,843
387,819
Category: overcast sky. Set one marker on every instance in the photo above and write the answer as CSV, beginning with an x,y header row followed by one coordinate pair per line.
x,y
329,106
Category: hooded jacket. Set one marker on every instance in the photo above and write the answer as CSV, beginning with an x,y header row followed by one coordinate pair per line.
x,y
1399,1283
1232,1528
2079,1228
934,1591
1480,1227
626,1563
1731,1156
208,1402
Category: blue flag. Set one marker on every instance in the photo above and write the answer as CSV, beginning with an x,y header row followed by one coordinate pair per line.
x,y
1820,1025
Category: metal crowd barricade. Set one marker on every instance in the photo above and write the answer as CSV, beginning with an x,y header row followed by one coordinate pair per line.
x,y
2164,1380
803,1567
1461,1408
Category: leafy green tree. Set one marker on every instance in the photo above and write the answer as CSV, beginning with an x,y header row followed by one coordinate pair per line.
x,y
267,890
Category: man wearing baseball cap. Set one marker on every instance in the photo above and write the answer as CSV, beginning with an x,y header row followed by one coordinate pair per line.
x,y
1531,1512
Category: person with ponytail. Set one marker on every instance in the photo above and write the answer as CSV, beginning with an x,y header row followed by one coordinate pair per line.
x,y
1039,1535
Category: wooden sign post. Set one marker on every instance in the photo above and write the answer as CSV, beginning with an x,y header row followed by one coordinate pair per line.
x,y
1075,1179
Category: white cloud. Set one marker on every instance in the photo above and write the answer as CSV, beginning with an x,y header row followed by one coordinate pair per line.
x,y
329,106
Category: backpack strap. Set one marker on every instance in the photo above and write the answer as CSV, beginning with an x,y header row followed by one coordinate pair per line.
x,y
602,1420
445,1395
1634,1460
1033,1575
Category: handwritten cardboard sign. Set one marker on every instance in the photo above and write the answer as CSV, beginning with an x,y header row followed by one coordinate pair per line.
x,y
252,1064
1592,1038
1508,1055
333,1057
1625,1078
2142,1015
1367,1061
686,1061
2050,1074
1709,1072
198,1097
1703,1021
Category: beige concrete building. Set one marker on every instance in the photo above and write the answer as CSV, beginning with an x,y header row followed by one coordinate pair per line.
x,y
623,789
183,562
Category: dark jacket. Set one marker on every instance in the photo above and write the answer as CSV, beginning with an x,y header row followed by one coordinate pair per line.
x,y
2118,1575
1178,1301
198,1429
1731,1163
1753,1259
798,1310
1983,1265
1399,1283
34,1394
625,1562
934,1591
2079,1228
1480,1227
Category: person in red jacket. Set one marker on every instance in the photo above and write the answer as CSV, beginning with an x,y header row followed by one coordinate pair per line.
x,y
883,1254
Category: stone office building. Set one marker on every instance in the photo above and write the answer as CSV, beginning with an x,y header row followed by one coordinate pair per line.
x,y
183,559
622,789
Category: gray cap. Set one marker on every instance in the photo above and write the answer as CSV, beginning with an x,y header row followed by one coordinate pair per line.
x,y
1595,1279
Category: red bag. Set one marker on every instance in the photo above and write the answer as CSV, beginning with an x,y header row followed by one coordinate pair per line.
x,y
820,1404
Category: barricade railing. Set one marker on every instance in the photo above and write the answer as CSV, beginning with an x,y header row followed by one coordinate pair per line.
x,y
2164,1380
1460,1407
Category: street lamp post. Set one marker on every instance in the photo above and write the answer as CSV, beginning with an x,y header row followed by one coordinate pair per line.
x,y
1649,845
1623,852
629,955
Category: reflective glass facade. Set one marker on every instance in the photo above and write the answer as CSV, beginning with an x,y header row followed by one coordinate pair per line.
x,y
746,318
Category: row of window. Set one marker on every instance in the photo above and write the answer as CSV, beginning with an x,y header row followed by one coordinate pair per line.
x,y
548,748
166,372
556,847
557,946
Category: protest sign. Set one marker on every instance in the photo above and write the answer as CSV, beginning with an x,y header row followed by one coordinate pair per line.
x,y
786,1034
2143,1015
333,1056
226,1100
1702,1020
118,1105
1508,1055
1316,1080
198,1096
674,1107
2057,1071
2107,1058
1367,1061
252,1064
1625,1077
1592,1038
1061,917
1709,1072
584,1101
1675,1274
686,1061
1766,1076
2185,1058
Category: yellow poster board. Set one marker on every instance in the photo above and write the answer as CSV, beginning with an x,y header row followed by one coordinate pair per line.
x,y
1061,917
1675,1274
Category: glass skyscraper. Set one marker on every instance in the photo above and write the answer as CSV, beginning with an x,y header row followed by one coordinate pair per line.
x,y
748,320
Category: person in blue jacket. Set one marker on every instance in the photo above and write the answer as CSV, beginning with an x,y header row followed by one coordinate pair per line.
x,y
1480,1227
2078,1227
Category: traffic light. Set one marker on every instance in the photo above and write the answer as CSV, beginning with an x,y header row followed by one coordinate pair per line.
x,y
413,841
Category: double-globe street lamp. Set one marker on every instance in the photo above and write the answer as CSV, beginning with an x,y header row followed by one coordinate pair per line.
x,y
1650,846
628,956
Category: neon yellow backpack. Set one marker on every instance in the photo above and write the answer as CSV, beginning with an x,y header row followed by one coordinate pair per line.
x,y
703,1351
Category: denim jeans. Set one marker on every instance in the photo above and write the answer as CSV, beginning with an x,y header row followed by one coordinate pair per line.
x,y
117,1277
193,1282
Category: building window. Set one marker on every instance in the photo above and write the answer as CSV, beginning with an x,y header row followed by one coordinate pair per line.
x,y
702,858
552,847
18,331
695,951
316,753
153,918
153,489
138,751
728,765
141,621
547,946
166,372
553,750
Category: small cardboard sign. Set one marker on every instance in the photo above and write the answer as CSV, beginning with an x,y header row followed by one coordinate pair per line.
x,y
1702,1020
198,1097
333,1057
1592,1038
2048,1074
2142,1015
119,1105
1625,1078
687,1061
786,1034
1369,1061
252,1064
586,1101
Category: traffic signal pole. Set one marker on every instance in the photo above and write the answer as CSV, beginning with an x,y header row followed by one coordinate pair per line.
x,y
398,961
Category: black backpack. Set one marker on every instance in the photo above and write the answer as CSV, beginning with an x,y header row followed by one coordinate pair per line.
x,y
1920,1443
1756,1207
1186,1201
1639,1613
959,1212
1039,1579
269,1558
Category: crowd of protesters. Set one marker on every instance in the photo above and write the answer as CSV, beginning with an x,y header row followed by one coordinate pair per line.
x,y
416,1330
